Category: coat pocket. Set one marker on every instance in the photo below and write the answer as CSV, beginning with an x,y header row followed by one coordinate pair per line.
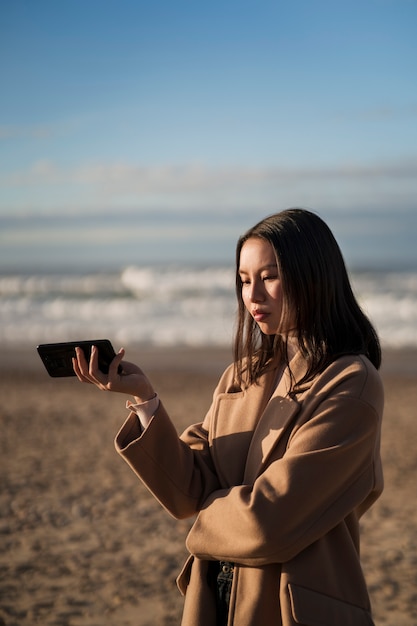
x,y
311,608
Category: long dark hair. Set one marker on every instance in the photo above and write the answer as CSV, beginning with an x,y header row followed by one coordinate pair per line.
x,y
317,293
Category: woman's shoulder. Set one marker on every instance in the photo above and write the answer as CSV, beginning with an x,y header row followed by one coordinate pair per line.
x,y
354,375
227,380
354,365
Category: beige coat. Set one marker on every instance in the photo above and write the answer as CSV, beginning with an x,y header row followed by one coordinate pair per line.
x,y
278,486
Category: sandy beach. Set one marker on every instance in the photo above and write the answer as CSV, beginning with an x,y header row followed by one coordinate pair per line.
x,y
82,543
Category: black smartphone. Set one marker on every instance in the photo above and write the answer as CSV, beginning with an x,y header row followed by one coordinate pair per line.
x,y
57,357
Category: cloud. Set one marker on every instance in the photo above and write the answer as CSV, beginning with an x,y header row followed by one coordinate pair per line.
x,y
197,185
115,176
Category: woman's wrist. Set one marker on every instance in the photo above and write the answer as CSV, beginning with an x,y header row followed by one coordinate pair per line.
x,y
144,398
144,410
144,392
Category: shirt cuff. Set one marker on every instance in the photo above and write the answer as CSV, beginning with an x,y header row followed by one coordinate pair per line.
x,y
145,410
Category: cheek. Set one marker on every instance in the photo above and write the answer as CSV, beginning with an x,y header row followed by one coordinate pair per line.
x,y
278,302
276,294
245,298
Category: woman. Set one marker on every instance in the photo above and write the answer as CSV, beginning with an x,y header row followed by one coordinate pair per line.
x,y
287,458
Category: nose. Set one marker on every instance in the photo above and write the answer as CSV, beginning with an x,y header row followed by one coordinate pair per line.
x,y
257,293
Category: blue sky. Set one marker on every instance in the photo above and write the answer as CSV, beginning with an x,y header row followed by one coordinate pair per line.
x,y
220,107
227,104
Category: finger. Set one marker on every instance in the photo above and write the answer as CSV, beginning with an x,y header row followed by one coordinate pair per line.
x,y
77,371
82,361
94,372
83,367
114,371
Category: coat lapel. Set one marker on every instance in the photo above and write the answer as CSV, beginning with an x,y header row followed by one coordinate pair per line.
x,y
233,423
247,426
275,419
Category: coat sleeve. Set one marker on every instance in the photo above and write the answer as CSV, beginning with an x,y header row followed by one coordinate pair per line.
x,y
180,475
329,469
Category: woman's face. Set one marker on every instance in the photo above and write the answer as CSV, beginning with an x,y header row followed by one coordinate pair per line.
x,y
261,284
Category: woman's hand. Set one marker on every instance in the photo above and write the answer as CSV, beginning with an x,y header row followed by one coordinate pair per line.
x,y
131,380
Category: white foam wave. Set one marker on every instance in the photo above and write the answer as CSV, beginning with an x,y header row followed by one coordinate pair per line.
x,y
51,284
171,306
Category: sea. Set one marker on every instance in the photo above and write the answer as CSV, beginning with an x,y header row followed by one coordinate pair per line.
x,y
142,281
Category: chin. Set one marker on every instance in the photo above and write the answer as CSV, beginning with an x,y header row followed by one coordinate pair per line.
x,y
267,330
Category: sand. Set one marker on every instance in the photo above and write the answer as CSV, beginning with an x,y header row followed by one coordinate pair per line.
x,y
82,543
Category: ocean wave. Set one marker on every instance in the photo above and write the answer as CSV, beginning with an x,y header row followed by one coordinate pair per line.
x,y
50,285
170,306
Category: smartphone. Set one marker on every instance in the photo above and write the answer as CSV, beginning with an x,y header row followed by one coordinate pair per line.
x,y
57,357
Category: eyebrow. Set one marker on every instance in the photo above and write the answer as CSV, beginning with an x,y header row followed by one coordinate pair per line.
x,y
261,269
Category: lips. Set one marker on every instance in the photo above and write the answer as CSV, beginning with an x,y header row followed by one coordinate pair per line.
x,y
259,316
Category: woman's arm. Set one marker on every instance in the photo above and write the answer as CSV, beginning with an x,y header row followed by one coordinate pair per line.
x,y
180,475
